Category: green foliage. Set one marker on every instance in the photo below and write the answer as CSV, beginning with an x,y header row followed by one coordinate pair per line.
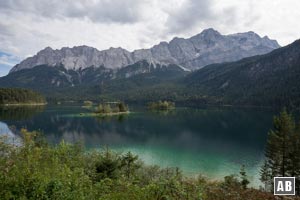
x,y
244,179
106,108
122,107
161,105
19,96
36,170
87,103
282,151
103,109
234,182
231,181
99,109
130,165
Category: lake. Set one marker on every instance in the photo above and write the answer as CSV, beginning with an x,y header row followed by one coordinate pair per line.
x,y
211,141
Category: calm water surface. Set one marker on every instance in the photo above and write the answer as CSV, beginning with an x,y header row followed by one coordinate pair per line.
x,y
212,141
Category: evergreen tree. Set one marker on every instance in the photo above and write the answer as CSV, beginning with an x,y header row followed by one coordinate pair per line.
x,y
265,176
122,107
282,151
279,142
294,155
129,164
20,96
244,178
99,109
106,108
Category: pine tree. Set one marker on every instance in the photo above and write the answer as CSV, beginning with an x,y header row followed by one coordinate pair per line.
x,y
265,176
294,155
129,164
122,107
106,108
282,156
279,142
244,178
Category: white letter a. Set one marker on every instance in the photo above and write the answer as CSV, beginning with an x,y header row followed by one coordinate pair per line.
x,y
280,186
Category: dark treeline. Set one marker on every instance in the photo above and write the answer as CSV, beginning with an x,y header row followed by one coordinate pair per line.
x,y
20,96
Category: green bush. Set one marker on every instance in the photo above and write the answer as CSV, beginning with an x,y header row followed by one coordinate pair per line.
x,y
106,108
161,105
37,170
87,103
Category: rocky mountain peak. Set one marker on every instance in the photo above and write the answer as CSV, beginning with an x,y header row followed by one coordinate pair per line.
x,y
210,32
193,53
207,33
46,50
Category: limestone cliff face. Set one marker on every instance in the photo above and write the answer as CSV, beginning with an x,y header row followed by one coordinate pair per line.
x,y
193,53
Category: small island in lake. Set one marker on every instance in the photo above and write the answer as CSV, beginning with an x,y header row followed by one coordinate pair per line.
x,y
161,105
17,96
88,104
106,109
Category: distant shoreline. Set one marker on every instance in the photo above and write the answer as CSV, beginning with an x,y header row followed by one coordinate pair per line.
x,y
103,114
23,104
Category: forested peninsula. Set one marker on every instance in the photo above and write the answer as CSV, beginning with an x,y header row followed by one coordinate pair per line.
x,y
17,96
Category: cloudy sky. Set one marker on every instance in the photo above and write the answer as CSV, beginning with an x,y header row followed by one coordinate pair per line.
x,y
29,26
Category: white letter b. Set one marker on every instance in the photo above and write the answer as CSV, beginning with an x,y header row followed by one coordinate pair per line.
x,y
288,186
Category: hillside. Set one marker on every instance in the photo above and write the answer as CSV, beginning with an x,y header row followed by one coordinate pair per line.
x,y
60,83
264,80
271,79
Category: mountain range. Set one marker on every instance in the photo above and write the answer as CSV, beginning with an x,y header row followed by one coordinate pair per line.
x,y
269,78
265,80
193,53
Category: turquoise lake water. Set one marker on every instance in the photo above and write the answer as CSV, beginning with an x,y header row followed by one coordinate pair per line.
x,y
212,141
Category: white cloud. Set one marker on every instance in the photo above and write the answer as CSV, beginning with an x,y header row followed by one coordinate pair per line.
x,y
29,26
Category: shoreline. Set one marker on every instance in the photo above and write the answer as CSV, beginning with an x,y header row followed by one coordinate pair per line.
x,y
103,114
23,104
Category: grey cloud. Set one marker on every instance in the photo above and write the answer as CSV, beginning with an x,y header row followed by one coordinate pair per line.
x,y
229,16
189,15
104,11
6,30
